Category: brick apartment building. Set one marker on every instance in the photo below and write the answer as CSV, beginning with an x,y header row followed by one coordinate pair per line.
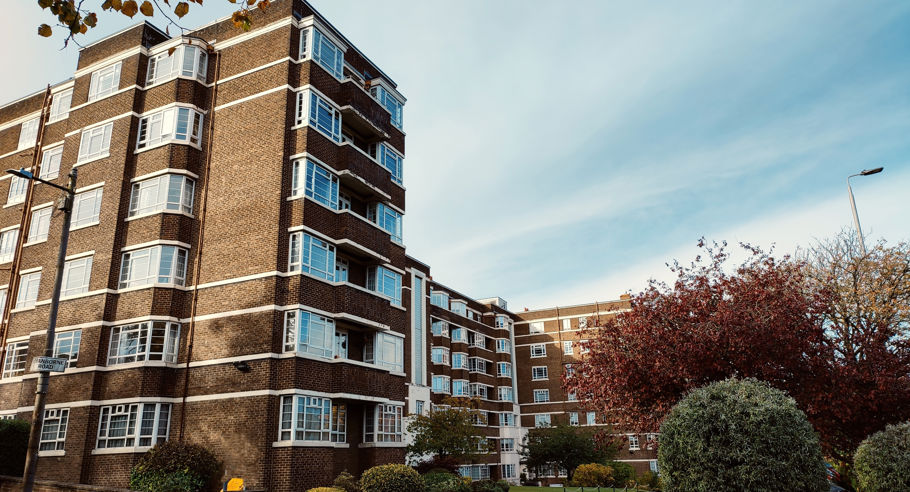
x,y
235,273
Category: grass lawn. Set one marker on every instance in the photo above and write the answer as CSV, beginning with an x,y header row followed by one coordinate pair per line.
x,y
558,489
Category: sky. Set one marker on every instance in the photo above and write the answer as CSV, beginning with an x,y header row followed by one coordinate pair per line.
x,y
562,153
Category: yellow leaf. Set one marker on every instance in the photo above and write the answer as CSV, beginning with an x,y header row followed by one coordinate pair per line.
x,y
83,28
116,4
129,8
181,9
44,30
147,9
263,4
91,20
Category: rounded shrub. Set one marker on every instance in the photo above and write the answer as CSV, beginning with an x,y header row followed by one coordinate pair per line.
x,y
444,481
13,446
346,482
882,461
739,435
592,475
174,466
391,478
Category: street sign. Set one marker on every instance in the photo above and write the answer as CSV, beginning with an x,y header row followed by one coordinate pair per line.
x,y
51,364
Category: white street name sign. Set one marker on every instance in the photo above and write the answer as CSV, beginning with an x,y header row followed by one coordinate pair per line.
x,y
51,364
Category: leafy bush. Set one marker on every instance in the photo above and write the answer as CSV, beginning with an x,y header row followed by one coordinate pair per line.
x,y
739,435
489,486
325,489
346,482
592,475
622,473
882,461
174,466
443,481
391,478
13,446
650,480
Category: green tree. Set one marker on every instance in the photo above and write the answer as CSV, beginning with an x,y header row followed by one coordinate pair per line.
x,y
13,446
882,461
736,435
448,431
563,446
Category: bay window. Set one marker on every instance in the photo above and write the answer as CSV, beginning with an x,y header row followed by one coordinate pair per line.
x,y
165,192
154,265
390,159
385,350
459,360
305,418
459,307
439,298
441,384
186,61
149,340
460,388
314,181
440,328
177,124
440,355
505,393
504,369
383,424
387,218
390,102
503,346
319,113
311,255
133,425
308,333
386,282
316,45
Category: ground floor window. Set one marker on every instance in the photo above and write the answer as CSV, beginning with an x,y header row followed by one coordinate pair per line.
x,y
508,471
382,424
131,425
475,472
53,430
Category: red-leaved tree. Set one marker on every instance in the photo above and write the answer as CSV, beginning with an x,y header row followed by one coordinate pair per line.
x,y
766,319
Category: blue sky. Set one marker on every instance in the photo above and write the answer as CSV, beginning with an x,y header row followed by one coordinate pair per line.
x,y
563,155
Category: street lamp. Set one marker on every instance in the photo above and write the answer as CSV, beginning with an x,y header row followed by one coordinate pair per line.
x,y
859,230
34,438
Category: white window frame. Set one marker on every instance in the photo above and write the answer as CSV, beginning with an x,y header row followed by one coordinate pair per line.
x,y
503,346
313,109
539,373
504,369
507,445
634,444
391,220
459,307
160,194
67,344
305,418
441,384
386,351
459,334
14,361
87,208
77,274
535,327
440,355
100,135
28,134
53,429
543,420
439,298
440,328
138,431
309,333
383,424
309,254
459,360
591,418
567,347
162,265
177,65
105,82
460,387
391,103
317,46
176,124
538,350
315,181
18,187
144,341
29,285
573,419
505,393
50,163
386,282
8,239
60,105
40,224
390,159
541,396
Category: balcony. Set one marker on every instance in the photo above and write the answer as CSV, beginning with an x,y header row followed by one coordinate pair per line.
x,y
351,232
346,301
364,114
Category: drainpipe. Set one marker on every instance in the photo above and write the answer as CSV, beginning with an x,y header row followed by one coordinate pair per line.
x,y
198,258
